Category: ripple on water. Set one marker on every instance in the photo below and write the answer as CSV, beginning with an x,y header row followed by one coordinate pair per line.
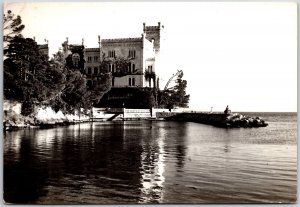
x,y
151,162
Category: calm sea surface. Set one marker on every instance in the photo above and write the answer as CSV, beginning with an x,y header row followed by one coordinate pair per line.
x,y
152,162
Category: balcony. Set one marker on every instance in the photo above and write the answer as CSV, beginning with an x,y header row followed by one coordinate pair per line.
x,y
149,75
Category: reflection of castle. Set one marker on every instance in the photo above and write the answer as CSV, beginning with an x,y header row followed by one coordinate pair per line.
x,y
141,55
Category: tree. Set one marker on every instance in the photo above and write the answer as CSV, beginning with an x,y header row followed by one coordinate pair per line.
x,y
181,98
175,96
12,25
100,87
74,92
28,76
77,93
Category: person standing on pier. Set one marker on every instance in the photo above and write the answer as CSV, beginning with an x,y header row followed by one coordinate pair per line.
x,y
227,110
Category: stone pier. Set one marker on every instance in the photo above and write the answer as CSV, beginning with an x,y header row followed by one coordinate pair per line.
x,y
219,119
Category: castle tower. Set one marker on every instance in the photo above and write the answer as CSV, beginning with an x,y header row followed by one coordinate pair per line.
x,y
154,33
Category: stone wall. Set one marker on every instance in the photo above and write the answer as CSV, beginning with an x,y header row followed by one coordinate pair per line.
x,y
217,119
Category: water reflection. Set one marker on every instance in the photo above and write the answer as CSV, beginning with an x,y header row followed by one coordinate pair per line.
x,y
12,143
152,168
147,162
24,176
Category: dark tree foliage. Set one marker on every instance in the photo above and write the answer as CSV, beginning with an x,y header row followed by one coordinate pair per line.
x,y
76,93
12,25
175,96
28,76
100,87
58,61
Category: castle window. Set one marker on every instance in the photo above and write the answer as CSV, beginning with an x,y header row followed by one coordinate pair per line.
x,y
133,68
112,68
89,59
111,53
89,70
95,70
132,53
133,81
75,59
109,68
129,67
95,58
129,81
89,83
150,68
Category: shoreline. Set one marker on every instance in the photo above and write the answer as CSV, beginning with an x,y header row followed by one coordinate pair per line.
x,y
40,125
232,120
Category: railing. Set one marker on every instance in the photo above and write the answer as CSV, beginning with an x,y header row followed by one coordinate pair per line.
x,y
137,111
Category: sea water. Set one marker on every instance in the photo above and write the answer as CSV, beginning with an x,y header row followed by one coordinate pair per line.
x,y
152,162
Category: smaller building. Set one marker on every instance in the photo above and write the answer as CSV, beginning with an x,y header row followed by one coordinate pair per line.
x,y
92,65
44,49
74,55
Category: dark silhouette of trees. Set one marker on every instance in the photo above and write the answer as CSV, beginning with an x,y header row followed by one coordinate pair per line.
x,y
12,26
76,93
28,76
175,96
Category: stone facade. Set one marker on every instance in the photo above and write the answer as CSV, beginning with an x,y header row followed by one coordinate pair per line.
x,y
92,65
141,55
131,49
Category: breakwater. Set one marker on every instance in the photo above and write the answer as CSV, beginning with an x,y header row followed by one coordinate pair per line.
x,y
219,119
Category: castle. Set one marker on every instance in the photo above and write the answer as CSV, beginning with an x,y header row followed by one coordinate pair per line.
x,y
140,72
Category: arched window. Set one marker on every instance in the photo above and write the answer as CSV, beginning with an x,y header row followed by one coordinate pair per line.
x,y
75,59
129,82
129,67
133,68
89,70
133,81
95,70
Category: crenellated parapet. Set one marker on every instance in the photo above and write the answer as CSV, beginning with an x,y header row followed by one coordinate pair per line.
x,y
122,40
153,33
92,49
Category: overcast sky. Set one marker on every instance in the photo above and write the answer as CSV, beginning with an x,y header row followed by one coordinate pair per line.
x,y
239,54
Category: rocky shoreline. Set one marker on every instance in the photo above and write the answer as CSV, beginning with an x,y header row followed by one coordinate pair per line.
x,y
239,120
11,125
43,117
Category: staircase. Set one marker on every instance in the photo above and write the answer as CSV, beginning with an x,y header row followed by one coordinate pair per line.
x,y
114,116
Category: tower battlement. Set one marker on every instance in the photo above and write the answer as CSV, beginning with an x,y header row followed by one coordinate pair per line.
x,y
153,33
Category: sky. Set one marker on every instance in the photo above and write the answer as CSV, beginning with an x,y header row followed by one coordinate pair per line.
x,y
241,54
